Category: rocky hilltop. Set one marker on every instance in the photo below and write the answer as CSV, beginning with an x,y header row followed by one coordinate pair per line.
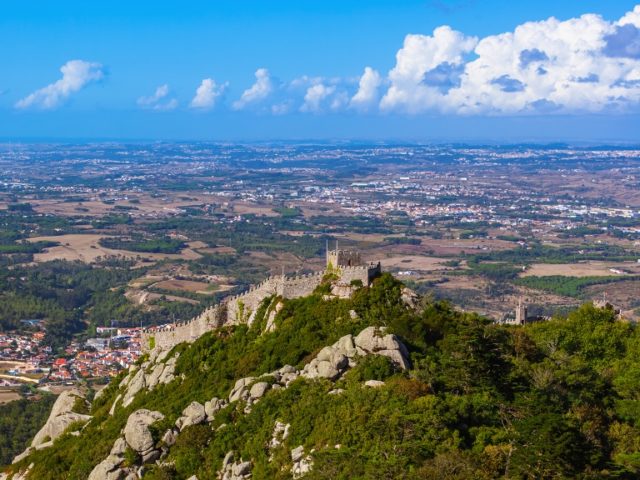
x,y
377,384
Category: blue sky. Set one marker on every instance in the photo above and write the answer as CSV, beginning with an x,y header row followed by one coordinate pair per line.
x,y
253,70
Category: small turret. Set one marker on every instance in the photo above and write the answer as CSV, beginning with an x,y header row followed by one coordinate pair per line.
x,y
521,312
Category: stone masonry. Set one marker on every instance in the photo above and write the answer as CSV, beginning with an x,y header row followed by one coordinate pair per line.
x,y
346,265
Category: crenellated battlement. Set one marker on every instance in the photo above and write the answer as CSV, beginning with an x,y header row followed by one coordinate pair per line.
x,y
241,308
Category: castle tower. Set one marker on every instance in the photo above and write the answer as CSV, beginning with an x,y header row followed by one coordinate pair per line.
x,y
521,312
343,258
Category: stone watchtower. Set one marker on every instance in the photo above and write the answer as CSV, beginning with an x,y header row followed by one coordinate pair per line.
x,y
350,267
343,258
521,313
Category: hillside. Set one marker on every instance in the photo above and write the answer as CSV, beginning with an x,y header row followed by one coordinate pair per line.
x,y
379,385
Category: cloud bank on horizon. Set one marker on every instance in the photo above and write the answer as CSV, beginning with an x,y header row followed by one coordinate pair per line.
x,y
582,65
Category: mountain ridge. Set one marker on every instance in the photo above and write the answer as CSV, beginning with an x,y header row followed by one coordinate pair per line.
x,y
473,399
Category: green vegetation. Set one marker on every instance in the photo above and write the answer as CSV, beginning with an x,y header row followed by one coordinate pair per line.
x,y
402,241
537,253
550,400
288,212
568,286
145,245
510,238
65,295
20,420
26,247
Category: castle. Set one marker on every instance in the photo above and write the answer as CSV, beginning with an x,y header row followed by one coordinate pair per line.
x,y
346,265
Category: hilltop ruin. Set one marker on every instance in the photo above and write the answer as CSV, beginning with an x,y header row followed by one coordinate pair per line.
x,y
346,267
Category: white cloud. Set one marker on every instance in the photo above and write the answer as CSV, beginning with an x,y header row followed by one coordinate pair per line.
x,y
160,100
632,17
314,97
368,86
583,64
420,55
259,91
207,94
76,74
282,108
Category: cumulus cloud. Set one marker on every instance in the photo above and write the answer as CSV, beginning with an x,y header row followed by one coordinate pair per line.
x,y
76,75
314,97
368,86
207,94
260,90
623,42
584,64
420,56
160,100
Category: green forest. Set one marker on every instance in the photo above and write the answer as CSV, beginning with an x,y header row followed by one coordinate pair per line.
x,y
550,400
73,296
20,420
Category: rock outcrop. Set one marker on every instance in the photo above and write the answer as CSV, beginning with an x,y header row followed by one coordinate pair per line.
x,y
136,436
372,340
301,463
136,431
231,470
194,414
333,361
212,407
150,374
60,418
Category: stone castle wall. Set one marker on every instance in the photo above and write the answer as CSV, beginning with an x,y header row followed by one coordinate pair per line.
x,y
242,308
363,273
165,338
300,286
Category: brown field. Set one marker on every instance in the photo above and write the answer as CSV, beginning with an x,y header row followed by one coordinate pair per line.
x,y
291,263
188,286
149,206
7,396
463,283
243,208
142,297
413,262
146,281
623,294
86,248
197,244
217,250
583,269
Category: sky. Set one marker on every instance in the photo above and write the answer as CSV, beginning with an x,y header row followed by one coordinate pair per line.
x,y
243,70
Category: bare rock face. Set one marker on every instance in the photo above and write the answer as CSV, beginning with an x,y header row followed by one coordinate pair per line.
x,y
331,362
153,378
410,298
194,414
240,390
139,379
234,470
271,323
372,340
62,415
374,383
108,469
258,390
301,463
213,406
170,436
136,431
280,434
136,384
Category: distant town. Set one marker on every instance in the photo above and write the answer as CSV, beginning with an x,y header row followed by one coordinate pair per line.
x,y
101,240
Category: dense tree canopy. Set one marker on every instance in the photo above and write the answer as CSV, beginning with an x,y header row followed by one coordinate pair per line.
x,y
550,400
